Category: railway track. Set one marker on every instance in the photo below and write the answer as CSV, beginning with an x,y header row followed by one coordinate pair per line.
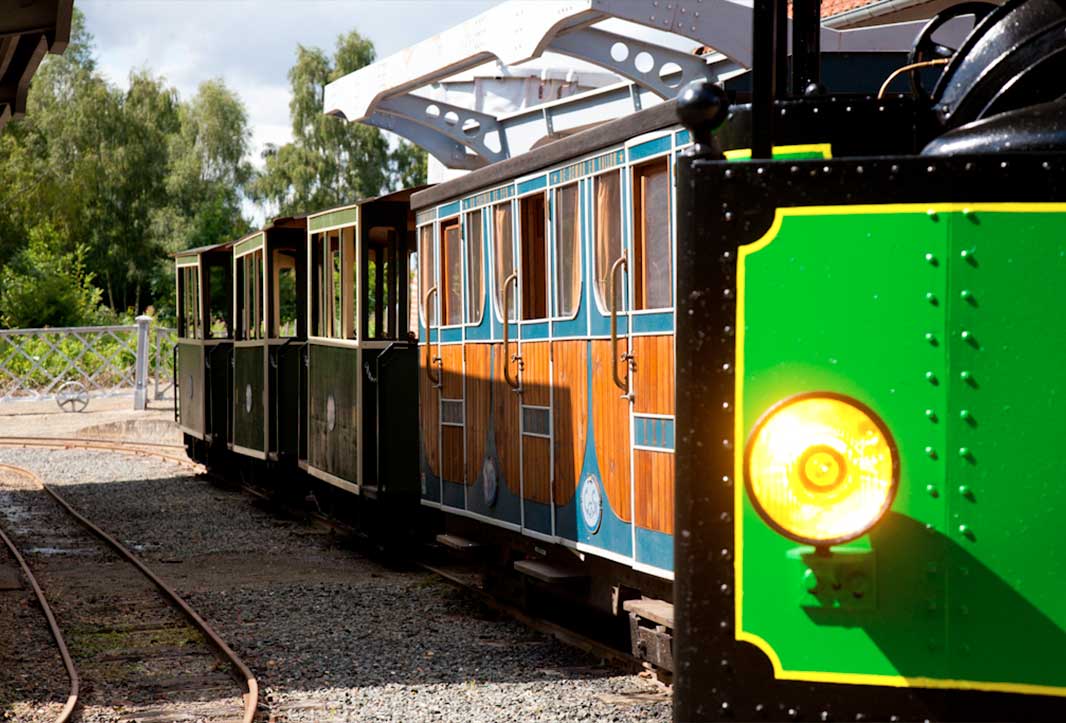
x,y
460,576
130,645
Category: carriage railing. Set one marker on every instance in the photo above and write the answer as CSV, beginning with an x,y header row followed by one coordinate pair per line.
x,y
39,364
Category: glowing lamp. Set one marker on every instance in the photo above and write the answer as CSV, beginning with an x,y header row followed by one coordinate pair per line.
x,y
821,468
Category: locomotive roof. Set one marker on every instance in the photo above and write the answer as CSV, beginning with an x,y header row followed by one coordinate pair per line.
x,y
600,136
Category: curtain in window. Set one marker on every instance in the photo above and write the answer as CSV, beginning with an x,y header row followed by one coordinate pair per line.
x,y
567,251
475,300
608,232
504,254
425,266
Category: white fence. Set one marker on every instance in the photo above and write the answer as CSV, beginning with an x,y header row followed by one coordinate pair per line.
x,y
38,364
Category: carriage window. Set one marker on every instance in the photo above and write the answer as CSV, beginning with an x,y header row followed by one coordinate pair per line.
x,y
567,251
284,321
380,283
608,232
653,260
504,261
451,293
336,284
319,305
190,312
534,258
218,301
250,295
425,266
475,287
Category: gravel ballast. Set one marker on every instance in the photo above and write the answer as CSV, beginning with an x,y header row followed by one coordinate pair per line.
x,y
330,634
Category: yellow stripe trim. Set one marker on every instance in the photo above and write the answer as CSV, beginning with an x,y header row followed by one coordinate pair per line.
x,y
739,435
825,149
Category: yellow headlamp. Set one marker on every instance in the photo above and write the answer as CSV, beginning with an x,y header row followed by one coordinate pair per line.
x,y
821,468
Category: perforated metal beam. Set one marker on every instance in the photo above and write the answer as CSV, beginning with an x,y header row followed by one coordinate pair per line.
x,y
461,125
599,47
451,153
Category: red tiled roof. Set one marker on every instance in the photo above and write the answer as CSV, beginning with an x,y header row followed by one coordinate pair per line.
x,y
836,7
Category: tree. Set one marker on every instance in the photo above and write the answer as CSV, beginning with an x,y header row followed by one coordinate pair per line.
x,y
126,176
45,286
330,161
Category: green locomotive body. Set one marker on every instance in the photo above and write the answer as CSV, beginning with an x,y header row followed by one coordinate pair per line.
x,y
939,317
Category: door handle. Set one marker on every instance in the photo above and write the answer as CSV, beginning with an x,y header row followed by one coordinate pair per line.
x,y
623,384
511,381
430,360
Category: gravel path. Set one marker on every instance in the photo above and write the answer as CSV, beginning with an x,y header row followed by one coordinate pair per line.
x,y
331,635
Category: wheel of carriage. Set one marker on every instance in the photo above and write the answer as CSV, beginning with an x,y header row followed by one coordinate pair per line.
x,y
72,397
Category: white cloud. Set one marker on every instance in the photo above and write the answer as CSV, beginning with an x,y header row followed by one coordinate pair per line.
x,y
252,45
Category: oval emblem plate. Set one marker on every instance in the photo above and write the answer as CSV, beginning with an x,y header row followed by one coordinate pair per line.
x,y
248,398
490,487
591,504
331,413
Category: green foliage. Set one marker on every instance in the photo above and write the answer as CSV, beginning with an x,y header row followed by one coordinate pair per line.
x,y
126,177
331,161
43,286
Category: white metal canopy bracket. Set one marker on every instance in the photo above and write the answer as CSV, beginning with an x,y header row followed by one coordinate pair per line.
x,y
520,30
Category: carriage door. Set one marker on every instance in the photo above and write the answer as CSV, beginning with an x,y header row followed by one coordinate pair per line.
x,y
534,367
450,353
429,377
494,382
652,372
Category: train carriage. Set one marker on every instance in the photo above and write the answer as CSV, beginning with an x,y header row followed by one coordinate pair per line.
x,y
361,403
204,345
528,426
269,302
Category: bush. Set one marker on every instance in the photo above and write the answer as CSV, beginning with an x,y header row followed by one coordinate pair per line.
x,y
45,285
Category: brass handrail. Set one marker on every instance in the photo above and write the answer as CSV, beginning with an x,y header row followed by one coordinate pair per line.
x,y
430,361
511,381
612,301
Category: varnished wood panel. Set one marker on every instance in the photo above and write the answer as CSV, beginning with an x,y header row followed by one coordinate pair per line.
x,y
653,377
428,414
536,386
610,420
451,356
536,465
570,415
505,417
478,406
654,484
451,453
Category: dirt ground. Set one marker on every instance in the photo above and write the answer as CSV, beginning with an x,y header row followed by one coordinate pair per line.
x,y
104,418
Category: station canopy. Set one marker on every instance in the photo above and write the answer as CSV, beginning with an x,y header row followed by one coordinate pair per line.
x,y
28,30
649,48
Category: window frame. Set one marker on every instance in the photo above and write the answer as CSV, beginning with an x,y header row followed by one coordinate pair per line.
x,y
554,248
619,172
467,218
636,216
517,231
246,298
497,298
441,226
318,290
423,314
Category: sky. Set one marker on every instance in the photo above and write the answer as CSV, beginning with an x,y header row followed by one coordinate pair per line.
x,y
252,45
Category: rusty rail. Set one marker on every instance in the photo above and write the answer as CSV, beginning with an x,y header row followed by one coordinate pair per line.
x,y
251,695
57,634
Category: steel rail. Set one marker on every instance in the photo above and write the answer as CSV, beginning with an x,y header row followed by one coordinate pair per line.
x,y
57,634
251,696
